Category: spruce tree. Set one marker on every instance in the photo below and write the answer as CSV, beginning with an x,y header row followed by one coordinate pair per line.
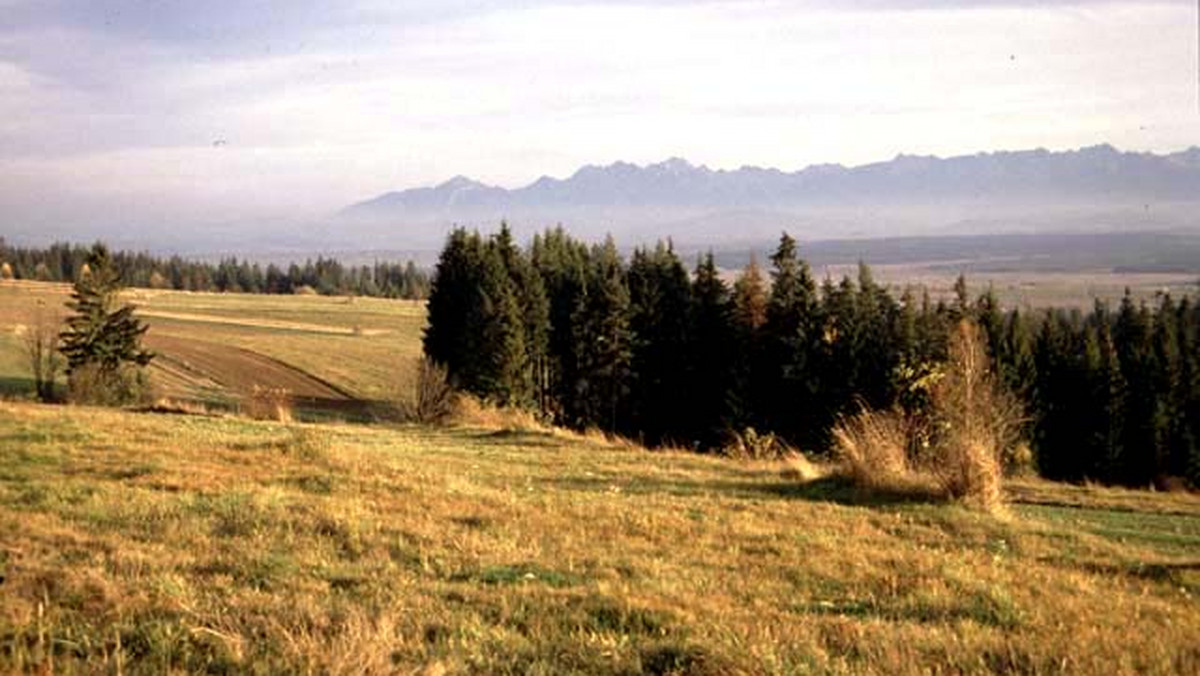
x,y
712,347
1133,336
450,339
600,323
504,374
791,339
563,264
102,341
535,314
749,316
660,303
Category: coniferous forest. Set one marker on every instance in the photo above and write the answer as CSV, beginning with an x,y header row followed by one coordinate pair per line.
x,y
651,350
327,276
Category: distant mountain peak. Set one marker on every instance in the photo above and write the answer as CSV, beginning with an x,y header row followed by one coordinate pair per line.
x,y
1093,172
460,182
675,165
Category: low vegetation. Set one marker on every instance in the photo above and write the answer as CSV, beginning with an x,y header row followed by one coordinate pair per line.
x,y
955,443
162,542
491,543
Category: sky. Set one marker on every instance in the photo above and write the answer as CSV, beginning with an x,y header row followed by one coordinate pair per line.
x,y
171,113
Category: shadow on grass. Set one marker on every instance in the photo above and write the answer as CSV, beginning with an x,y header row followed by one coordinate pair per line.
x,y
829,489
517,437
17,387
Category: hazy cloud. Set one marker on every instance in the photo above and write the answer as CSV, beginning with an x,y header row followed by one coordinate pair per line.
x,y
113,109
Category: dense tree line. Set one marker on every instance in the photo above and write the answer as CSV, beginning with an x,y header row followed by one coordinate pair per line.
x,y
648,349
63,262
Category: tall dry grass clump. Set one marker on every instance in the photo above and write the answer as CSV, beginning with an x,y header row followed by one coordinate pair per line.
x,y
873,447
957,442
268,403
473,412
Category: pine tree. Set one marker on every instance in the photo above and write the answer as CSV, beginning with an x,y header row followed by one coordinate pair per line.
x,y
504,373
749,316
450,339
1106,400
1133,336
1062,410
534,309
659,307
563,264
712,348
791,340
600,324
102,341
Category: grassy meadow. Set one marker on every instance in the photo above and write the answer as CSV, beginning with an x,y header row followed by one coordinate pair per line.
x,y
363,347
158,543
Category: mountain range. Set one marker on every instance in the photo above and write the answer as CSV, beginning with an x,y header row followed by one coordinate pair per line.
x,y
1039,174
1092,189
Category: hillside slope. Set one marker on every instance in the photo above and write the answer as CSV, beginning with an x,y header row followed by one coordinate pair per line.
x,y
161,543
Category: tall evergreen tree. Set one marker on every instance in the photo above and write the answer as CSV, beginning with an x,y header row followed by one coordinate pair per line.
x,y
1133,335
659,307
102,341
535,314
600,323
713,345
563,264
450,339
791,336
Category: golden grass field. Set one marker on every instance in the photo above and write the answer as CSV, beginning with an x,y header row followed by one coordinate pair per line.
x,y
215,347
148,543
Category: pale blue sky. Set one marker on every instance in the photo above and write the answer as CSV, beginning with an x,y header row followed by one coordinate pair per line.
x,y
110,110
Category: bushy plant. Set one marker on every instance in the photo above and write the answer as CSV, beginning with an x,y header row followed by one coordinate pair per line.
x,y
431,400
93,385
750,444
961,437
268,403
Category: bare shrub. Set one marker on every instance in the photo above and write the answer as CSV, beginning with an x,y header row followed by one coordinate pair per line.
x,y
41,349
432,399
268,403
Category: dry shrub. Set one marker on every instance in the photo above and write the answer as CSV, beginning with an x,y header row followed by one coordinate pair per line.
x,y
268,403
170,405
432,399
873,447
749,444
799,467
962,442
469,410
41,350
977,423
91,385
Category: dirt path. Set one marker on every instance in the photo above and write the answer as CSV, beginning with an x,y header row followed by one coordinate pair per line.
x,y
185,367
260,323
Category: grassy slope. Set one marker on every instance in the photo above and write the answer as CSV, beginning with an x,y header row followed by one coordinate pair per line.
x,y
220,543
